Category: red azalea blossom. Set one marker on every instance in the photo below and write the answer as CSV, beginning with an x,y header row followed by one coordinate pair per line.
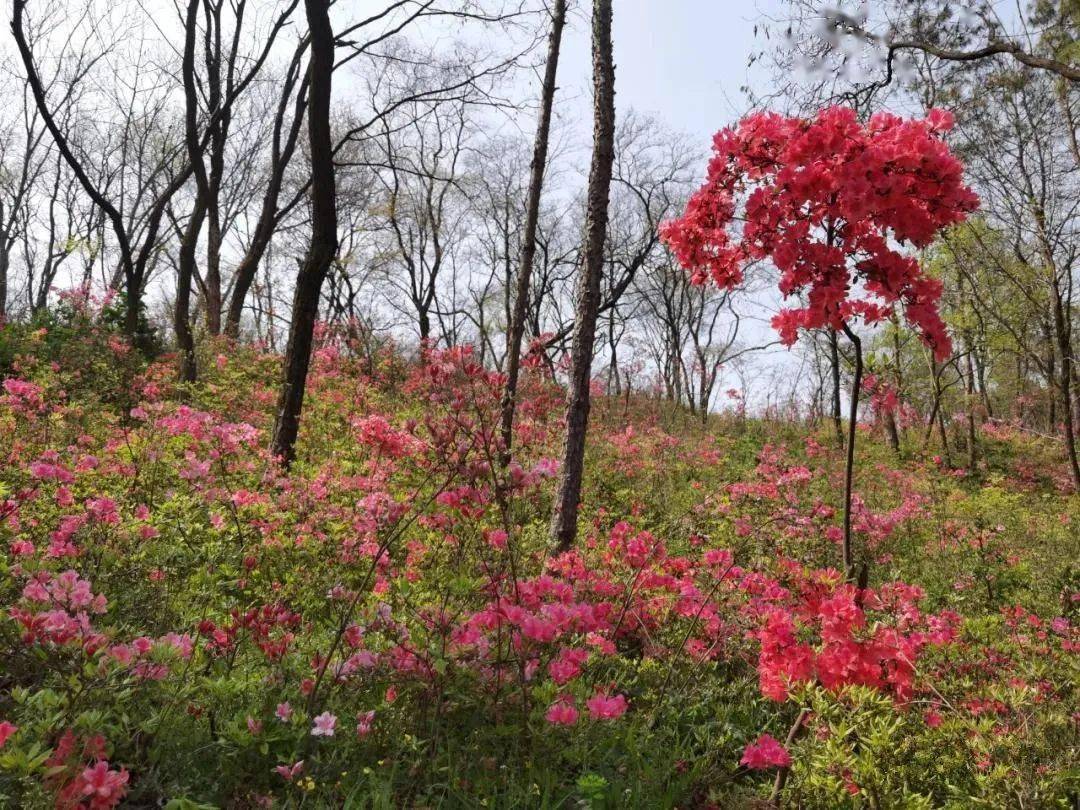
x,y
102,786
603,706
829,201
767,752
562,712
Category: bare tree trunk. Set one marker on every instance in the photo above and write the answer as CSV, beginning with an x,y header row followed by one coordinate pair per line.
x,y
980,377
281,154
564,517
532,216
186,271
213,302
1051,382
5,261
891,431
944,437
323,245
834,363
969,387
185,341
614,380
849,465
935,378
1061,332
218,131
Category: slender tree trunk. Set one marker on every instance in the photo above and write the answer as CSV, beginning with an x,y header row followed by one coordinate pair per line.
x,y
614,380
186,270
532,216
323,245
5,261
244,277
219,129
969,386
246,271
1051,382
891,431
1073,386
564,517
935,378
213,268
980,376
944,437
185,341
834,363
212,276
849,464
1061,332
1021,387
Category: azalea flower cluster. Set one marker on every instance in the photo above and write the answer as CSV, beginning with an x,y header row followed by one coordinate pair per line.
x,y
766,752
844,648
829,201
80,774
173,591
57,610
782,502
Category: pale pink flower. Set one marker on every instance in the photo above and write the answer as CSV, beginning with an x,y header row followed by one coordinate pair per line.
x,y
324,725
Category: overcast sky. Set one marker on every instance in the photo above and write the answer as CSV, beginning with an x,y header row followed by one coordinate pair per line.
x,y
682,60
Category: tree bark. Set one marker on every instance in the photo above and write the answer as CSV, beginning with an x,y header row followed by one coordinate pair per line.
x,y
1061,332
323,246
219,133
248,268
849,465
185,341
281,154
564,517
532,216
834,364
969,389
5,261
969,386
892,431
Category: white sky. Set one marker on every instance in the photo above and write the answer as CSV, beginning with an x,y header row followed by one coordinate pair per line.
x,y
682,60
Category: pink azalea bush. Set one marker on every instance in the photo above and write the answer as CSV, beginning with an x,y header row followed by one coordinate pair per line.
x,y
184,621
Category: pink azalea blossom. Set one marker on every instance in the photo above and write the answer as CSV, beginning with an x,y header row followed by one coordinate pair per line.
x,y
603,706
767,752
364,721
324,725
6,730
562,713
289,772
105,787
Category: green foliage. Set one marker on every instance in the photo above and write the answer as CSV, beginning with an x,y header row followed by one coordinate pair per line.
x,y
990,724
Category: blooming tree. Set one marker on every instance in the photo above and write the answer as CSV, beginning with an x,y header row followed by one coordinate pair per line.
x,y
835,205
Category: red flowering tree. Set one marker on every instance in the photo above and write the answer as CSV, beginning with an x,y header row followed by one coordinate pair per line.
x,y
835,205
